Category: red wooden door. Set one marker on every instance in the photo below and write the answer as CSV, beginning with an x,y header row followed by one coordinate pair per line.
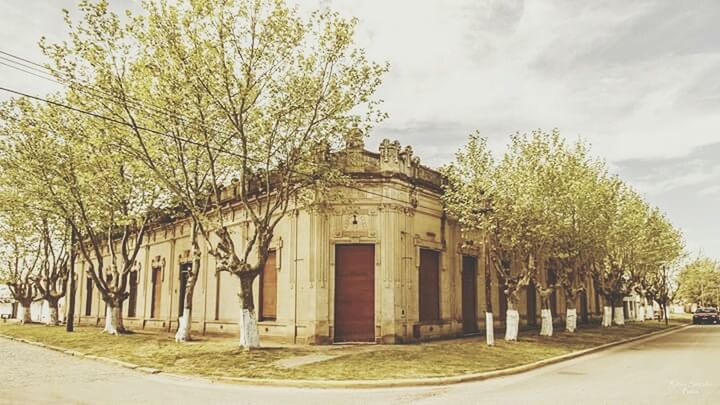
x,y
429,285
268,292
354,293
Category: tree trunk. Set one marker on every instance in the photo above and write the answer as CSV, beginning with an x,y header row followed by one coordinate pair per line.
x,y
113,319
618,316
53,310
183,332
607,316
26,316
571,320
546,326
512,322
489,329
640,313
185,324
249,335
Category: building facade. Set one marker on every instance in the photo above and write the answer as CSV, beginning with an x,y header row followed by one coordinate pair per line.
x,y
382,264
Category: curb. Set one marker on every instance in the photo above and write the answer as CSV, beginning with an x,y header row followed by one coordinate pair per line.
x,y
396,383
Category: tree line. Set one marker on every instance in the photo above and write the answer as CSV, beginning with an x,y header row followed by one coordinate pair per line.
x,y
548,206
164,113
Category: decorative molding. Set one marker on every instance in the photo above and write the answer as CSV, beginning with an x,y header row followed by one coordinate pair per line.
x,y
159,263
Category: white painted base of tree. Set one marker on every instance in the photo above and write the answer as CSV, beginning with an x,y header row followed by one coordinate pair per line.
x,y
619,316
109,327
641,313
571,320
512,324
649,313
607,317
489,329
24,315
185,324
249,336
546,326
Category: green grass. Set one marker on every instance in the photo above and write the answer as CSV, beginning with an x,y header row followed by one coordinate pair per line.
x,y
221,356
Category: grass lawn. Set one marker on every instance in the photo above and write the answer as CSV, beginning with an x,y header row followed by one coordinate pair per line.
x,y
220,356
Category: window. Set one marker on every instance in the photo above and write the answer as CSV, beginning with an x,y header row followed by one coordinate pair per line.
x,y
429,285
268,291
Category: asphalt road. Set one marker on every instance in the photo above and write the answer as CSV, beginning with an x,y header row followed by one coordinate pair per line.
x,y
679,368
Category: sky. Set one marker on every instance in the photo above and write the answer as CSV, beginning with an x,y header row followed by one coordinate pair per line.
x,y
638,80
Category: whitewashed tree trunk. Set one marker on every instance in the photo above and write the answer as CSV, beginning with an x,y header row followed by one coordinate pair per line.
x,y
571,320
512,324
110,327
249,338
641,313
619,317
607,317
649,313
546,327
24,314
54,317
183,332
489,329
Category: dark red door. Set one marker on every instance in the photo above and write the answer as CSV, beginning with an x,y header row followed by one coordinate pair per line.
x,y
429,287
268,292
469,294
354,293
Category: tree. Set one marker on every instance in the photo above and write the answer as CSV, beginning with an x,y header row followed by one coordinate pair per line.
x,y
19,254
466,197
581,195
64,162
699,282
218,97
51,280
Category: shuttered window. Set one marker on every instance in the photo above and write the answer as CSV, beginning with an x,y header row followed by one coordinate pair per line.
x,y
268,292
429,287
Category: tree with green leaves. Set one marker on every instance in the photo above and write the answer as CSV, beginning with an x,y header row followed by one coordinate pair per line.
x,y
65,163
19,255
217,98
699,282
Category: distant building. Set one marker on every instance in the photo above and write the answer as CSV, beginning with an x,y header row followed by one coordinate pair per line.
x,y
385,265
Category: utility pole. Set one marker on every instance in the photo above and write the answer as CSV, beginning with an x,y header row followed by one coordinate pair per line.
x,y
70,319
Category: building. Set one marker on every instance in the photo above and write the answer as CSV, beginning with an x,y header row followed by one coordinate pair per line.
x,y
385,264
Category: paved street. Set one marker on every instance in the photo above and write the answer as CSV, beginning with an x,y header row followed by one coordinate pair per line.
x,y
679,368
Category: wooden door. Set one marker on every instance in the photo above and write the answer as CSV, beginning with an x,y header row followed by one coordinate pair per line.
x,y
132,299
583,307
182,287
268,290
531,304
156,292
429,285
354,293
469,294
88,296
